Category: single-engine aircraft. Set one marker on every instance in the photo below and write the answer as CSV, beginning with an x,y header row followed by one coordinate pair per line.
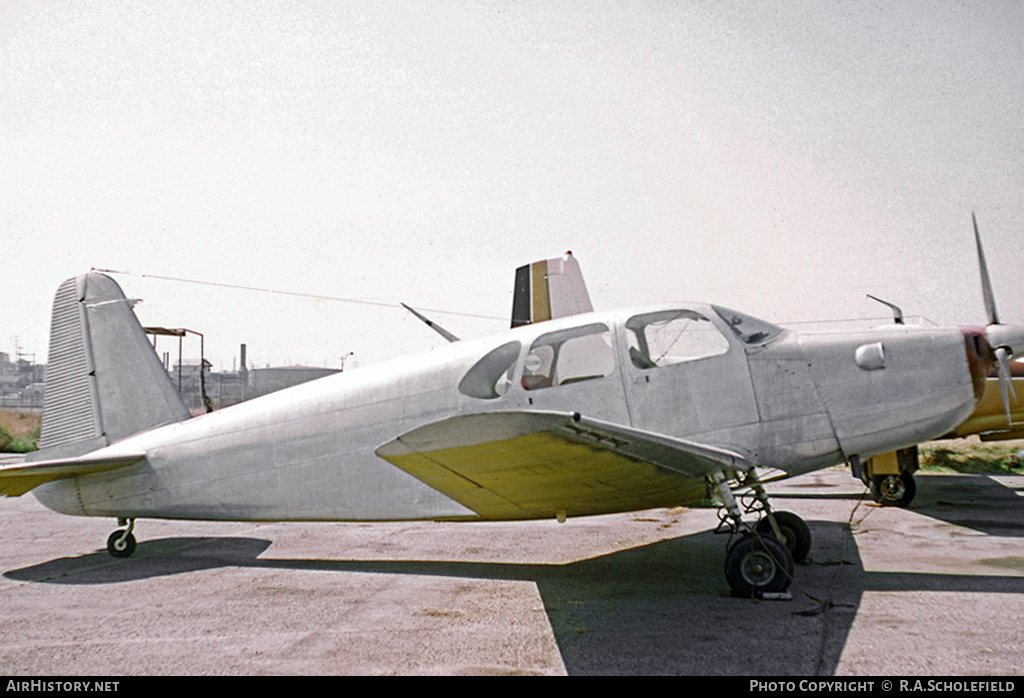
x,y
588,413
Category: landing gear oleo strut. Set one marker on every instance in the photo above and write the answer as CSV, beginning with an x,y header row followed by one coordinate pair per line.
x,y
760,561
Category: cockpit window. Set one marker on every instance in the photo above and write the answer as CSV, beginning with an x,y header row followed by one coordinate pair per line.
x,y
569,356
671,337
490,376
749,329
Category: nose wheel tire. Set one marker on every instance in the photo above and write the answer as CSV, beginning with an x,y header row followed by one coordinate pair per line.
x,y
757,565
121,544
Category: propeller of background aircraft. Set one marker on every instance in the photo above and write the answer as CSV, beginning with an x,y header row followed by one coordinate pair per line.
x,y
1005,341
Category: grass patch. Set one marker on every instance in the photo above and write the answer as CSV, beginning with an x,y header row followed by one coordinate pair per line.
x,y
19,430
973,456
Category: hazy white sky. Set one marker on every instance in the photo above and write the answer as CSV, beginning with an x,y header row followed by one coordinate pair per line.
x,y
783,158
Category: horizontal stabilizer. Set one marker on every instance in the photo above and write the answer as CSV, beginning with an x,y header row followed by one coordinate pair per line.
x,y
524,465
18,479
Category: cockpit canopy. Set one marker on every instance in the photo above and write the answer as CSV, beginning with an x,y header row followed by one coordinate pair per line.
x,y
585,352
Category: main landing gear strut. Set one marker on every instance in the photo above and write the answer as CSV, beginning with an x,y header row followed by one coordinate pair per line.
x,y
759,559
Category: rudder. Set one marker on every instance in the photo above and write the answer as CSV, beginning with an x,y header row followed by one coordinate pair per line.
x,y
104,381
549,289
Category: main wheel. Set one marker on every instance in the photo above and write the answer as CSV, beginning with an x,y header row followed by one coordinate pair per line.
x,y
795,533
118,547
758,564
893,490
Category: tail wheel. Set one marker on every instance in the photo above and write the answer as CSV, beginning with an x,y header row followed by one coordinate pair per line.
x,y
795,533
121,544
757,565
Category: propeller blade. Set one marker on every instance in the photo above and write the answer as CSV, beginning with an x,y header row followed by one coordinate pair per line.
x,y
1003,357
986,283
1004,340
1005,381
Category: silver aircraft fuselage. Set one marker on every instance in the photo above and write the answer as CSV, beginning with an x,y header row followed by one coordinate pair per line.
x,y
794,402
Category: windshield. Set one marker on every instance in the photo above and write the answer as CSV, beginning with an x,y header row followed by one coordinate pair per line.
x,y
749,329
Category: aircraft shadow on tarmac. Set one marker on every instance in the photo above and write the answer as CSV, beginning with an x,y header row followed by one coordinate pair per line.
x,y
662,608
656,609
978,502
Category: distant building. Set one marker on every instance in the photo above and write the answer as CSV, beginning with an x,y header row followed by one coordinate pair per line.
x,y
22,382
32,395
263,381
16,377
224,389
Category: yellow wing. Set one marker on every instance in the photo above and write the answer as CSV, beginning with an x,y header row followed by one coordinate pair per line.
x,y
527,465
989,417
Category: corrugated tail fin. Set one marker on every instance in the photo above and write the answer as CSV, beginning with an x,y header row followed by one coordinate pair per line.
x,y
104,381
548,289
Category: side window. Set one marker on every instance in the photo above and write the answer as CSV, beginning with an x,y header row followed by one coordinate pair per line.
x,y
490,376
569,356
671,337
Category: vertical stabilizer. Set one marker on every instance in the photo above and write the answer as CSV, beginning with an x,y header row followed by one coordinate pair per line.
x,y
104,382
548,289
